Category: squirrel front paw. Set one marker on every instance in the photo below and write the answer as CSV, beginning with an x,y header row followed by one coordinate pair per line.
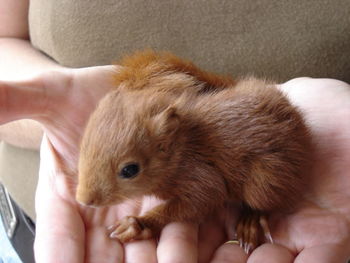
x,y
128,229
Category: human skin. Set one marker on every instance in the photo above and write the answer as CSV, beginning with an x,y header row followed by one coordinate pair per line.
x,y
62,99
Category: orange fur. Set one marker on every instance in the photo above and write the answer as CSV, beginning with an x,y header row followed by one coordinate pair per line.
x,y
140,69
200,140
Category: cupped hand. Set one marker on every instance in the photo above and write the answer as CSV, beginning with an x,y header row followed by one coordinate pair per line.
x,y
67,232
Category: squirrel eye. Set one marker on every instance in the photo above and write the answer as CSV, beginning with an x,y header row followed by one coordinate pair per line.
x,y
129,171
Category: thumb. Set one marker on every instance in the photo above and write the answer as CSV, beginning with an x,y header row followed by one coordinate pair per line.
x,y
25,99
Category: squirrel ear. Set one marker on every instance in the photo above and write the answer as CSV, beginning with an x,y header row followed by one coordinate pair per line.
x,y
166,125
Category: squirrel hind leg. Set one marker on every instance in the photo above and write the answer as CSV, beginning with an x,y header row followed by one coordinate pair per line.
x,y
252,229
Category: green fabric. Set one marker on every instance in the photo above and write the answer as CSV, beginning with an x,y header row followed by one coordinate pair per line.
x,y
277,39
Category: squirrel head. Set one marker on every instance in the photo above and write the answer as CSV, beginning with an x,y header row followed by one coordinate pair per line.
x,y
128,149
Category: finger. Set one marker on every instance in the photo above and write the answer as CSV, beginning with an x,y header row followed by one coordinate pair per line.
x,y
60,233
141,251
271,253
101,249
178,243
21,100
324,254
232,253
211,236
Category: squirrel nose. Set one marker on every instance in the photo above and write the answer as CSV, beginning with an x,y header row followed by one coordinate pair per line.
x,y
86,203
83,199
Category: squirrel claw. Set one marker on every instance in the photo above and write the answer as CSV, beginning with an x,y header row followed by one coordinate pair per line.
x,y
265,227
129,229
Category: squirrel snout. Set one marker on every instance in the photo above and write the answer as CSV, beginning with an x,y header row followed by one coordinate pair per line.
x,y
85,198
86,203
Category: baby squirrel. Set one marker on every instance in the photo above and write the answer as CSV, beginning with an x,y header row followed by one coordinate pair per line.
x,y
194,139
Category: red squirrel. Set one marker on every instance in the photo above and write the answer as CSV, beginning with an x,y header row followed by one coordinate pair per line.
x,y
194,139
